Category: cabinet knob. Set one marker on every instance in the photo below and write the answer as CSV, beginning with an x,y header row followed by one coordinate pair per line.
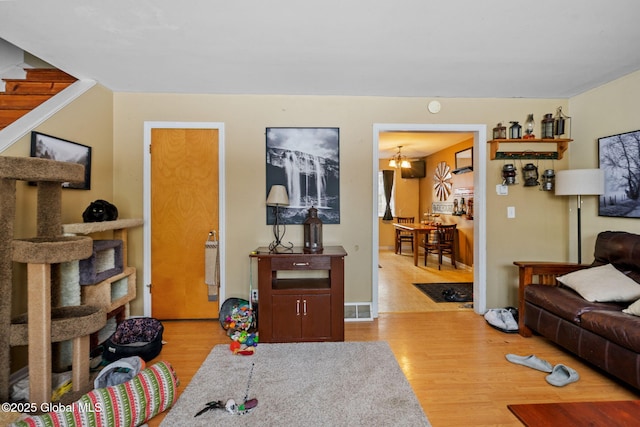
x,y
301,264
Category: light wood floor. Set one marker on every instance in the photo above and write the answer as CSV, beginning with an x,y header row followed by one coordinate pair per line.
x,y
453,360
397,274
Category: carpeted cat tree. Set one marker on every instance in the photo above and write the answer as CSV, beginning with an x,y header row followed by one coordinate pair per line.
x,y
42,324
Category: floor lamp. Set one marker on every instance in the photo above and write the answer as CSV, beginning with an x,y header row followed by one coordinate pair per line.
x,y
579,182
278,197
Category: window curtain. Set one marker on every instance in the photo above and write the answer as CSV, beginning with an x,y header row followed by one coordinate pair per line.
x,y
387,179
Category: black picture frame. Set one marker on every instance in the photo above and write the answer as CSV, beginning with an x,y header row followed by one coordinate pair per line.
x,y
306,160
51,147
464,161
619,158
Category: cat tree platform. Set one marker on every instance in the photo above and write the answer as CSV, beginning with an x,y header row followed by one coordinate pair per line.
x,y
42,324
66,323
51,250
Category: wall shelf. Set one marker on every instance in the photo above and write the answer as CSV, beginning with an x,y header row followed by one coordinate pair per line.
x,y
561,146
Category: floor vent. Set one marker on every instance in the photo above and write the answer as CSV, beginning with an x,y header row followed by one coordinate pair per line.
x,y
357,312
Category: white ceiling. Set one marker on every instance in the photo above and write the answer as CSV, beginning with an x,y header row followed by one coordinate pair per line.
x,y
416,48
403,48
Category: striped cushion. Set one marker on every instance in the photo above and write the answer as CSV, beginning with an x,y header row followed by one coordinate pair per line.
x,y
129,404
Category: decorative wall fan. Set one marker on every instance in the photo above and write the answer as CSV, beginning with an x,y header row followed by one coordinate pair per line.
x,y
442,178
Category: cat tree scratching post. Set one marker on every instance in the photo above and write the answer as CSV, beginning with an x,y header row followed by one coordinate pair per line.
x,y
42,324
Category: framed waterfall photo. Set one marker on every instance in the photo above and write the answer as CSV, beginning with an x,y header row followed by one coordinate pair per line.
x,y
307,162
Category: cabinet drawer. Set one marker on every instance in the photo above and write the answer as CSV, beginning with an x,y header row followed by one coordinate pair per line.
x,y
301,263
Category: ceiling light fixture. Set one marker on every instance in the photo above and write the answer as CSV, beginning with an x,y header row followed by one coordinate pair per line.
x,y
399,161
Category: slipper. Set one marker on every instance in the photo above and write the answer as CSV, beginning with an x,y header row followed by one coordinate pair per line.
x,y
530,361
494,320
562,375
502,320
509,320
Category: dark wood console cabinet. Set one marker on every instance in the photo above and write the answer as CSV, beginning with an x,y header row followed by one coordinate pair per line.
x,y
300,308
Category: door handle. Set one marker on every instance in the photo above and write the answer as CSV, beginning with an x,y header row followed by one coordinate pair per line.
x,y
298,307
304,307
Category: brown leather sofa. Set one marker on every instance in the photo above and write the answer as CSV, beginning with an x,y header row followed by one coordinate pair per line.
x,y
598,332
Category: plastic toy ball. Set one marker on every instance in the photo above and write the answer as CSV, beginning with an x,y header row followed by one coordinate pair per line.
x,y
234,346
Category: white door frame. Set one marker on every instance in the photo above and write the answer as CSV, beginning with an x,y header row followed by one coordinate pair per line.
x,y
479,204
148,126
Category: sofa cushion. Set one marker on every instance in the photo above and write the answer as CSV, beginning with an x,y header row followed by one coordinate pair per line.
x,y
564,302
620,328
602,284
633,309
620,248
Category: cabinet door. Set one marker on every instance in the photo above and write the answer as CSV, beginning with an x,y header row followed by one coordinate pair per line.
x,y
285,317
315,317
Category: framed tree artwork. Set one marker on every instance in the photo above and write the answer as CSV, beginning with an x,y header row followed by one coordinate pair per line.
x,y
53,148
619,157
307,162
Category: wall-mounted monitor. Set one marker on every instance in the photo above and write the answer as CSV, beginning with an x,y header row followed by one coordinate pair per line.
x,y
418,169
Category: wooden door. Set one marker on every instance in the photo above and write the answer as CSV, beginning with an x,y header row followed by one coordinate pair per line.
x,y
184,209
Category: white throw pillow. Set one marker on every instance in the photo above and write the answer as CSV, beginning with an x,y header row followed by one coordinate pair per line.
x,y
602,284
633,309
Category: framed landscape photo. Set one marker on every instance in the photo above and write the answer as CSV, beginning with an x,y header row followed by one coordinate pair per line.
x,y
619,157
307,162
53,148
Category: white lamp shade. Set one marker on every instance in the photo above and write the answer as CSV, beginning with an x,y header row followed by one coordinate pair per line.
x,y
579,182
278,196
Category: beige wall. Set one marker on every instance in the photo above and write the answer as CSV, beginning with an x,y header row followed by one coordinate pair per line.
x,y
608,110
541,217
542,230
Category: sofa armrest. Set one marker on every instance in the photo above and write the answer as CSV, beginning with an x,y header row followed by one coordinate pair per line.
x,y
543,273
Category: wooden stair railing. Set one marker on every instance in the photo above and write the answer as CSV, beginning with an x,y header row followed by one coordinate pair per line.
x,y
23,95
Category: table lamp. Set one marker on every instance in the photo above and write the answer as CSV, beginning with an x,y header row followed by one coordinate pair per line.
x,y
278,197
579,182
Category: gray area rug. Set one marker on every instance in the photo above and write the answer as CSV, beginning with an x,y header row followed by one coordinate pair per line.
x,y
310,384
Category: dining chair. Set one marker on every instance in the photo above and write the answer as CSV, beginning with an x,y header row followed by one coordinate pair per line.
x,y
404,236
441,241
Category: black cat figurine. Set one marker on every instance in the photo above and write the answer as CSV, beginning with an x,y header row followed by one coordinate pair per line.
x,y
100,210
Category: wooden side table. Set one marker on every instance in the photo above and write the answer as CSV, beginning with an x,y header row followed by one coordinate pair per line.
x,y
299,307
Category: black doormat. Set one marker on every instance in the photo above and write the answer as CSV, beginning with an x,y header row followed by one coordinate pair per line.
x,y
462,290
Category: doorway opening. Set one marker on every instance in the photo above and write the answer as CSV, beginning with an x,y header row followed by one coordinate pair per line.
x,y
479,222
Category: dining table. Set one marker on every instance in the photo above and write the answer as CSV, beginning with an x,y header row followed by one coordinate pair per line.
x,y
417,229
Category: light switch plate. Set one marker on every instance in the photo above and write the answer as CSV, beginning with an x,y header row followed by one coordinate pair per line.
x,y
511,211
